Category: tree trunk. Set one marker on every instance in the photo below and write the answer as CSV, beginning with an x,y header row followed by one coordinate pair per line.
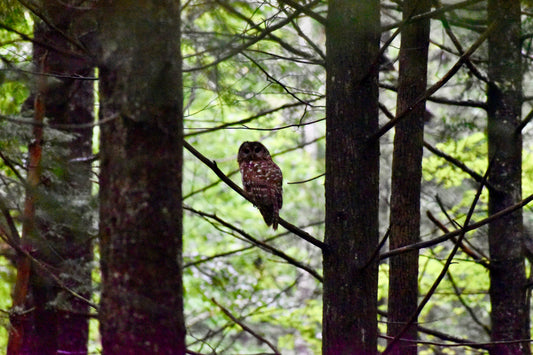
x,y
140,178
407,176
510,313
62,240
352,178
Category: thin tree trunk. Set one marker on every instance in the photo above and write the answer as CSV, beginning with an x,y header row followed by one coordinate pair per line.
x,y
22,325
407,176
510,312
352,178
140,178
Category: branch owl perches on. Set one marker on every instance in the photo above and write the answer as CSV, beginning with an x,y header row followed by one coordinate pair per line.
x,y
262,180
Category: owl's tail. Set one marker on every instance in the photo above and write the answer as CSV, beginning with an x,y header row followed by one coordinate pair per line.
x,y
270,216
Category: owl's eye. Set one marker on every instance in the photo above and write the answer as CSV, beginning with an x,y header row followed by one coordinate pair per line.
x,y
246,151
257,149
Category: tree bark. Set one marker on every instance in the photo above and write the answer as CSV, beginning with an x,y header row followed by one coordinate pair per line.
x,y
140,178
407,176
510,312
352,178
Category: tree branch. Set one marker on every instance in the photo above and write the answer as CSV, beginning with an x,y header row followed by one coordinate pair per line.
x,y
456,162
306,10
247,119
259,243
213,166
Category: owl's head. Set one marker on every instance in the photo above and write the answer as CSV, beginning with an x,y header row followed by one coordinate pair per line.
x,y
252,151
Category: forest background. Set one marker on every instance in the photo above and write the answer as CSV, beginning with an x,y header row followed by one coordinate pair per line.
x,y
88,202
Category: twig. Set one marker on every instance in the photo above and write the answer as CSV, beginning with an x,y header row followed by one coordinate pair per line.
x,y
478,258
270,77
307,180
245,327
376,252
442,100
465,305
266,32
42,44
442,336
8,163
292,125
486,345
457,225
459,48
63,126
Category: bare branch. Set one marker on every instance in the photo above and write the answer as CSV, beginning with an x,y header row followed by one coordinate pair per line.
x,y
270,77
42,44
63,126
443,100
245,327
266,32
213,166
434,13
458,232
248,119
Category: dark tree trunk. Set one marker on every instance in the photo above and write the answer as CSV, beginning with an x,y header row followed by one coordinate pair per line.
x,y
352,178
140,178
58,321
407,176
510,312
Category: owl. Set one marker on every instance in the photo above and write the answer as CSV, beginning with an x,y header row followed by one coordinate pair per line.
x,y
262,180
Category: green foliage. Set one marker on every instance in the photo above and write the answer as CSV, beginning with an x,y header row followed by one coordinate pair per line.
x,y
7,277
12,95
527,171
471,150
